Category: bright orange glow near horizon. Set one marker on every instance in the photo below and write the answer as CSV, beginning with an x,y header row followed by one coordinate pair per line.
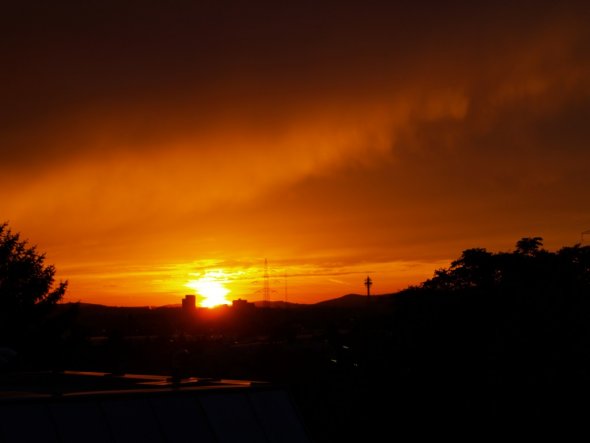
x,y
142,146
211,288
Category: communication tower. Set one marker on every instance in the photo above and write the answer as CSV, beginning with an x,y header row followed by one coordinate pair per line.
x,y
368,283
266,287
286,295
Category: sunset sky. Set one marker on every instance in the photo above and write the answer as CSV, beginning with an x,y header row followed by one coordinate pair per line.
x,y
145,145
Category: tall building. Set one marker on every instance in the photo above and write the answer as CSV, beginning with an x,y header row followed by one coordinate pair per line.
x,y
189,303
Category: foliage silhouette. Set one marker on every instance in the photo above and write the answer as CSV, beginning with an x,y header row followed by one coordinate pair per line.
x,y
27,287
25,280
528,268
529,245
513,323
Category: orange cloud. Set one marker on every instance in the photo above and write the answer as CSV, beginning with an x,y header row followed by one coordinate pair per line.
x,y
332,139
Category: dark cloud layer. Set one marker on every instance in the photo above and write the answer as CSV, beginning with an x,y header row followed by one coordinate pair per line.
x,y
165,67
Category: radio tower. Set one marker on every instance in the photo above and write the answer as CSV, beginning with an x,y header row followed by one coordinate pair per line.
x,y
286,296
266,288
368,283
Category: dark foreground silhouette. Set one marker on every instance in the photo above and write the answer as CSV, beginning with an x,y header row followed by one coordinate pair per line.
x,y
497,344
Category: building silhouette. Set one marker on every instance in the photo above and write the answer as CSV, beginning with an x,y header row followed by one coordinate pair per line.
x,y
189,303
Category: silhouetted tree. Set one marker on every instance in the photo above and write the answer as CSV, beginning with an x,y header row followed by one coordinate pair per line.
x,y
529,265
514,318
25,280
475,268
529,245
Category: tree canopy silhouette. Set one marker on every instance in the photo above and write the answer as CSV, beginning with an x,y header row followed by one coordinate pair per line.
x,y
25,280
529,245
517,317
529,269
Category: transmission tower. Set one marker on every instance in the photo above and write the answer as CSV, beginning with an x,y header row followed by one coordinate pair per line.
x,y
286,295
266,287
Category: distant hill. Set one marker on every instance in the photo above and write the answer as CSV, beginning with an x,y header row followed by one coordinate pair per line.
x,y
279,304
98,307
352,301
346,301
92,307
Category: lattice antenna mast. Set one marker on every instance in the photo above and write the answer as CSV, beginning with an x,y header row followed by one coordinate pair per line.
x,y
266,288
286,296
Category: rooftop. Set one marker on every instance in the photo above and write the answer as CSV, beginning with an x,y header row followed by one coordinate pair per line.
x,y
73,406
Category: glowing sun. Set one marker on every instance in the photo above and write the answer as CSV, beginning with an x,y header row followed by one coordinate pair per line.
x,y
211,288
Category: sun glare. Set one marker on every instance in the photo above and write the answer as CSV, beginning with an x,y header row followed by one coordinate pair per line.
x,y
211,287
